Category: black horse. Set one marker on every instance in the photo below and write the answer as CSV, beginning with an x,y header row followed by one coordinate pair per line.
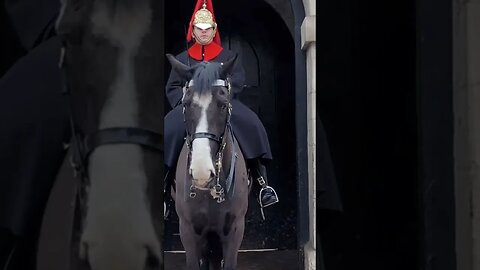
x,y
111,60
212,186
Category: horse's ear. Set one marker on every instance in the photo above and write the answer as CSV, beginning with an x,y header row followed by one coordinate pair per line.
x,y
183,70
228,66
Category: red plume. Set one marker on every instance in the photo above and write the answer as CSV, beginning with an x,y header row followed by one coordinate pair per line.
x,y
198,6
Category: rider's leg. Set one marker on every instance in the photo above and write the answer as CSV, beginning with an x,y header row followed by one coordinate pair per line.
x,y
267,195
253,140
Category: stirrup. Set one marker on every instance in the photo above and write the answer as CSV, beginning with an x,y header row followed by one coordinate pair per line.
x,y
260,199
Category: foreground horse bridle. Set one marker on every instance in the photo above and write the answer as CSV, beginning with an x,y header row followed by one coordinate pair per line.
x,y
216,189
85,144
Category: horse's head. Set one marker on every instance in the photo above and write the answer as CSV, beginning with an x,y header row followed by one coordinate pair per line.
x,y
207,110
112,59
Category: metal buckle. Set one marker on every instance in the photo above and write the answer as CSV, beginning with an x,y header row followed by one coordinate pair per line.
x,y
261,181
218,193
193,194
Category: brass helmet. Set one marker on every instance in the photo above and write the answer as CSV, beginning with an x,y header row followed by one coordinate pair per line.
x,y
203,17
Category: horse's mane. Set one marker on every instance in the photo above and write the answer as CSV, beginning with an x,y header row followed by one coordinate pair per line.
x,y
205,75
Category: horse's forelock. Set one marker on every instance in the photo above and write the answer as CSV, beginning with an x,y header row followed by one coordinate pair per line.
x,y
205,75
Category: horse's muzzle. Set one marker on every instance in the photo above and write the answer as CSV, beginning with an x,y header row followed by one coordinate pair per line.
x,y
203,184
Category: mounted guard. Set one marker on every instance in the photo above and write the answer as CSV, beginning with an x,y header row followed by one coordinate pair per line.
x,y
204,37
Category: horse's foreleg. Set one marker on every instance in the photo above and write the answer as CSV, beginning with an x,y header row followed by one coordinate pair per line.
x,y
231,245
188,237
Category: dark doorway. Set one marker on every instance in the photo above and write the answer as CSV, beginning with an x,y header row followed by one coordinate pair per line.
x,y
12,49
367,102
268,58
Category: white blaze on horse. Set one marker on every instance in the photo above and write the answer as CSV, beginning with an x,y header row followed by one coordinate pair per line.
x,y
201,167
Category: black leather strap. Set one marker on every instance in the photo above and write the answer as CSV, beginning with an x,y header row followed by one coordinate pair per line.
x,y
126,135
230,181
206,135
223,83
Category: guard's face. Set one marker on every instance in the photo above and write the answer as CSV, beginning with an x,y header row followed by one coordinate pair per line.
x,y
203,36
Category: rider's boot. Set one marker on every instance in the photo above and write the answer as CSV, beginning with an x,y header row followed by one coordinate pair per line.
x,y
167,189
267,195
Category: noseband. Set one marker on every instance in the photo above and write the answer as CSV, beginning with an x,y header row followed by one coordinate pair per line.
x,y
216,189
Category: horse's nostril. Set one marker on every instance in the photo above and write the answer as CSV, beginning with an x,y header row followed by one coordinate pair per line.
x,y
212,174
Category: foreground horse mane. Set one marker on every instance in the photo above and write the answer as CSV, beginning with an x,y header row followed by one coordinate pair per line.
x,y
205,75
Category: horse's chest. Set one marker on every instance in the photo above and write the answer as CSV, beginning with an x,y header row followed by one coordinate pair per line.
x,y
207,212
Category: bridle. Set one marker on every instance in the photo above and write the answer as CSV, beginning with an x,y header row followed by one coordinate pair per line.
x,y
217,191
84,144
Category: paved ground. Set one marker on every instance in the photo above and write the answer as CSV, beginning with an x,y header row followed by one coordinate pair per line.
x,y
269,260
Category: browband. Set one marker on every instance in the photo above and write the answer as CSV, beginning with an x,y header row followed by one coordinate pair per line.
x,y
223,83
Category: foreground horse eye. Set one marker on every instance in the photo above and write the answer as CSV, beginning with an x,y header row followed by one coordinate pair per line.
x,y
222,92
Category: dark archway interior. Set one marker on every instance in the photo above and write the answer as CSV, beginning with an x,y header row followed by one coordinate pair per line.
x,y
367,103
268,58
12,49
